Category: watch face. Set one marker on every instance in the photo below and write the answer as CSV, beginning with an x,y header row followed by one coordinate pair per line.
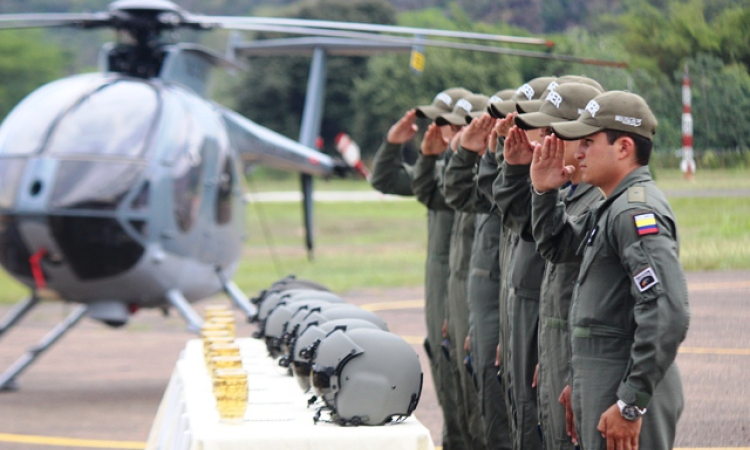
x,y
630,412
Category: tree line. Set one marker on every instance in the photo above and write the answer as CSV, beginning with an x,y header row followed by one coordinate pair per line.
x,y
365,95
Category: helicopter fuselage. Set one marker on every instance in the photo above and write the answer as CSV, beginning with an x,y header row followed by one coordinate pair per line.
x,y
114,188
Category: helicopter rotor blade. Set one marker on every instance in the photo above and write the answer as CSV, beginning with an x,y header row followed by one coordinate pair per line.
x,y
54,20
240,23
430,42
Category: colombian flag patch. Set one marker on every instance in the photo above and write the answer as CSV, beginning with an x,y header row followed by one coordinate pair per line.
x,y
645,224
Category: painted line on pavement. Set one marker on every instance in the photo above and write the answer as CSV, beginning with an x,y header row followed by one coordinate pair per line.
x,y
721,285
714,351
387,306
68,442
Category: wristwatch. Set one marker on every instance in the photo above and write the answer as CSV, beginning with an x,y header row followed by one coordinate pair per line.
x,y
630,412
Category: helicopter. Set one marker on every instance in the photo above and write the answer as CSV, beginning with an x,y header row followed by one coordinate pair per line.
x,y
122,189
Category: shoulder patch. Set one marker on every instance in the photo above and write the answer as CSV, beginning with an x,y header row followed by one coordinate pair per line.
x,y
645,279
636,194
645,224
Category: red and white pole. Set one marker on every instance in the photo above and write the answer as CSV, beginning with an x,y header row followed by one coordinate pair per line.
x,y
687,165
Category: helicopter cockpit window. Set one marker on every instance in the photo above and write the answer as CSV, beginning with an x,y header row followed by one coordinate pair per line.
x,y
26,127
113,121
187,187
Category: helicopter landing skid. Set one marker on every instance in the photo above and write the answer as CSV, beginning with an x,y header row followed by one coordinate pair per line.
x,y
176,299
8,378
238,297
18,311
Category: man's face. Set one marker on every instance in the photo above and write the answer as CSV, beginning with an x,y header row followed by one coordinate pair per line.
x,y
597,160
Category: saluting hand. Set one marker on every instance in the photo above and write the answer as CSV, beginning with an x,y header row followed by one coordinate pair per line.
x,y
548,169
403,130
518,149
434,143
503,126
621,434
492,142
474,137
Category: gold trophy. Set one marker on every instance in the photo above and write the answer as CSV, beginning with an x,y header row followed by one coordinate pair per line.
x,y
230,389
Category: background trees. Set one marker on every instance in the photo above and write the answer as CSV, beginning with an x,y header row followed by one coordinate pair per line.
x,y
365,95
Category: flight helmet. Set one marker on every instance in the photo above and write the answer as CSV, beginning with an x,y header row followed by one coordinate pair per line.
x,y
366,377
306,342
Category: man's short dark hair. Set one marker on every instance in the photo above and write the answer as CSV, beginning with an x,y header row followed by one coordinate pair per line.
x,y
643,146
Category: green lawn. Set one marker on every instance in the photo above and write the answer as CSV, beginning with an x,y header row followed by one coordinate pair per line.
x,y
382,244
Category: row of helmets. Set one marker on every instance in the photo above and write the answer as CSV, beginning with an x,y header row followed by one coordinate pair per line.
x,y
358,371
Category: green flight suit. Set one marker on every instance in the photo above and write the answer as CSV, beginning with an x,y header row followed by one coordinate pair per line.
x,y
629,312
463,194
427,186
525,280
391,175
488,171
554,304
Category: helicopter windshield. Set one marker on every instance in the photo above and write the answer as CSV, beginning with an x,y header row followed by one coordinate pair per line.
x,y
102,141
113,121
25,129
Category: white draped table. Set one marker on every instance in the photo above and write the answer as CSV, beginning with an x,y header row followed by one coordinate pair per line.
x,y
277,414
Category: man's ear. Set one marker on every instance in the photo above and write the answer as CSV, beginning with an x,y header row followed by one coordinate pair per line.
x,y
625,147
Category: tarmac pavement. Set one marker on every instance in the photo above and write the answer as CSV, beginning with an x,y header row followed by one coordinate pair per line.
x,y
100,387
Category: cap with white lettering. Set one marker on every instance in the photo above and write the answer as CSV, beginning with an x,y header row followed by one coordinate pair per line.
x,y
461,114
565,103
529,91
613,110
527,106
443,103
504,95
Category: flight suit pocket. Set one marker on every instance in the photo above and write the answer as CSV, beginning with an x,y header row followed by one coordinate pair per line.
x,y
645,274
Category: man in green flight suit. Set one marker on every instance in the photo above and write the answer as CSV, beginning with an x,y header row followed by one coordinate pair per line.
x,y
391,175
562,104
629,312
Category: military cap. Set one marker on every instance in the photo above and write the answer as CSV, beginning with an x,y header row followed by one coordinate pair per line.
x,y
443,103
565,103
498,97
529,91
527,106
461,114
613,110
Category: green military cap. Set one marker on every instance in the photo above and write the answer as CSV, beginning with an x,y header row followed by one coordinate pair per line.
x,y
527,106
499,97
529,91
443,103
613,110
461,114
565,103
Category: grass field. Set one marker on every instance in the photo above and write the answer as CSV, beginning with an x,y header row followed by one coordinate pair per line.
x,y
382,244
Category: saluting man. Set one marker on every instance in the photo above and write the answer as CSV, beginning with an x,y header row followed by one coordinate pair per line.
x,y
629,312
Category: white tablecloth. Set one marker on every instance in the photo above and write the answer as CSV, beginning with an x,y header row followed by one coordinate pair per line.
x,y
277,414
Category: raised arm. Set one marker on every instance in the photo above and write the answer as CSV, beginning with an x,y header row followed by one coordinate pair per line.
x,y
558,236
427,181
390,174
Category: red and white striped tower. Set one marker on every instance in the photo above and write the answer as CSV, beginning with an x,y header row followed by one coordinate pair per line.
x,y
687,165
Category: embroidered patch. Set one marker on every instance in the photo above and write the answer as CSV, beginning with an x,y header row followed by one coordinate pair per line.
x,y
646,224
645,279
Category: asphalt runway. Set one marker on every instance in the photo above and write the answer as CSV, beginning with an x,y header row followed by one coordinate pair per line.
x,y
100,387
